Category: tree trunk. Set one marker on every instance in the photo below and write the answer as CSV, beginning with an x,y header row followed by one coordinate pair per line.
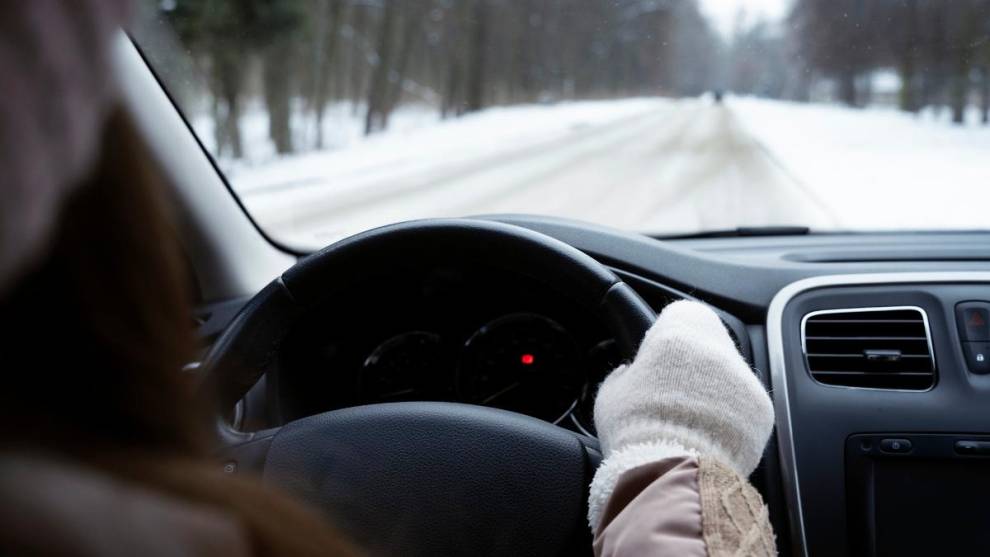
x,y
475,93
278,95
864,92
847,87
959,92
452,92
985,95
358,57
378,91
325,52
523,55
907,100
228,111
907,46
397,74
317,101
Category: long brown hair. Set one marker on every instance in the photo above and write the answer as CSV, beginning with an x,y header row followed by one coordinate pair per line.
x,y
93,345
96,333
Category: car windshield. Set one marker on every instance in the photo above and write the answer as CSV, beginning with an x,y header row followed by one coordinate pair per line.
x,y
329,117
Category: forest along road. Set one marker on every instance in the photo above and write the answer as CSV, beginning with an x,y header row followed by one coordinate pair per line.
x,y
681,167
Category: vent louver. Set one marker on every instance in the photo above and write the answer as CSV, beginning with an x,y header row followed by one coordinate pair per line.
x,y
879,348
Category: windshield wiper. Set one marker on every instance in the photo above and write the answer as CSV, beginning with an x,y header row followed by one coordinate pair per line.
x,y
741,232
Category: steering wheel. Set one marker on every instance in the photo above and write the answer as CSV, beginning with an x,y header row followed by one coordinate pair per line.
x,y
425,478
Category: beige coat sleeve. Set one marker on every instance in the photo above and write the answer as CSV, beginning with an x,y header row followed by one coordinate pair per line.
x,y
684,506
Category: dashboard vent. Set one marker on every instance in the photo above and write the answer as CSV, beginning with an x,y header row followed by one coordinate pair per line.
x,y
879,348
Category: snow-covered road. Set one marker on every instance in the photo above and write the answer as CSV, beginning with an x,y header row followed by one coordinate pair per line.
x,y
653,165
667,167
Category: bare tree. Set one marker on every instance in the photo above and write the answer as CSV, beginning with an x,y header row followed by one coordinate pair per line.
x,y
459,55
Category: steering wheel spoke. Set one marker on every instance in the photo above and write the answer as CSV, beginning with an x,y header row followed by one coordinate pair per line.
x,y
244,452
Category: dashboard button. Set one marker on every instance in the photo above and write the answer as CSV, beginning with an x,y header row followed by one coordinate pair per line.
x,y
974,321
977,356
896,446
973,448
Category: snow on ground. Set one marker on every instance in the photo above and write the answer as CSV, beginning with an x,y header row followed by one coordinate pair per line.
x,y
655,165
878,168
343,127
409,145
284,193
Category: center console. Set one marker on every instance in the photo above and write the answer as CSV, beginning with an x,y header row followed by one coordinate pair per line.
x,y
882,394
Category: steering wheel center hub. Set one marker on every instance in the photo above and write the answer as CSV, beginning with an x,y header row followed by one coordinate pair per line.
x,y
439,478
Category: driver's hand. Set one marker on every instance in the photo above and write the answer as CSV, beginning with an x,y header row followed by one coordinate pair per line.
x,y
688,392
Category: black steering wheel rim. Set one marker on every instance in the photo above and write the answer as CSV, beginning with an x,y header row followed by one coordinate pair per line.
x,y
246,349
419,449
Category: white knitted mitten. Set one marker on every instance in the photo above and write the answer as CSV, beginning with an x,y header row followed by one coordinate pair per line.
x,y
688,392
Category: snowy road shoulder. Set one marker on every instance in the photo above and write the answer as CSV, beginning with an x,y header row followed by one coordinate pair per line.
x,y
879,168
432,147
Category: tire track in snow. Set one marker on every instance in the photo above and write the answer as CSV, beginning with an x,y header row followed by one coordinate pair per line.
x,y
393,200
686,166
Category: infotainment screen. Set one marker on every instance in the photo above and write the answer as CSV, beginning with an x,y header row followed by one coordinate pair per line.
x,y
931,507
917,495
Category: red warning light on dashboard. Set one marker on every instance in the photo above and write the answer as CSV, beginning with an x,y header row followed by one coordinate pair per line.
x,y
527,359
975,319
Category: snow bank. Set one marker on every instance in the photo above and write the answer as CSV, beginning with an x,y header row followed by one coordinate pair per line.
x,y
878,169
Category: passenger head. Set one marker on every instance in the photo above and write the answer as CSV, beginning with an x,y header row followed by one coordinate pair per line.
x,y
97,332
57,88
94,294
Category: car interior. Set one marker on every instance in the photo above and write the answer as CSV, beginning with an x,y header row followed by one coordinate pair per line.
x,y
370,377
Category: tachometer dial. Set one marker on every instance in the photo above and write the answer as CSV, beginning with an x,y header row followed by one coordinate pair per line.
x,y
522,362
601,359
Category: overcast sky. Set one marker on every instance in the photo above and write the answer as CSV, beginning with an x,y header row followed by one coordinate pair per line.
x,y
723,12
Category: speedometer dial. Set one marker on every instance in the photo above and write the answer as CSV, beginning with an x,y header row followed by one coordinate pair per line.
x,y
410,366
522,362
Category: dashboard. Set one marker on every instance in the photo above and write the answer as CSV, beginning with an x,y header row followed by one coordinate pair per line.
x,y
860,338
